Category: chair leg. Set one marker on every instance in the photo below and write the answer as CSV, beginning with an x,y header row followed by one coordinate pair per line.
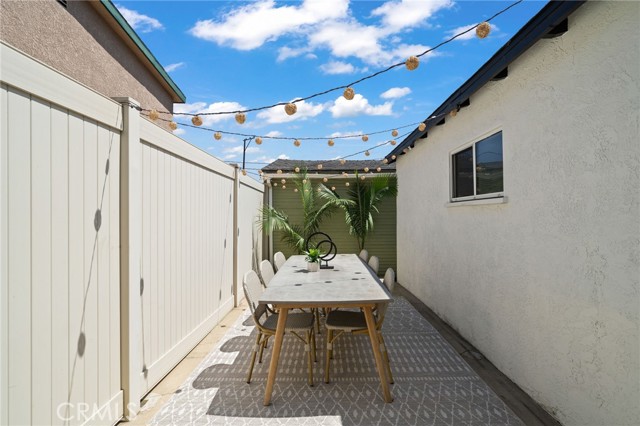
x,y
263,345
253,356
313,347
316,313
385,355
309,356
328,359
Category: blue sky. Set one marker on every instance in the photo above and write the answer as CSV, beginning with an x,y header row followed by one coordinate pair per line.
x,y
233,55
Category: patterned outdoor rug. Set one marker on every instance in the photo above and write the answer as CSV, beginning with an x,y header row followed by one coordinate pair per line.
x,y
433,384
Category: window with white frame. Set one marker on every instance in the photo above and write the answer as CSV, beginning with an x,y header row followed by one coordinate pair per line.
x,y
477,170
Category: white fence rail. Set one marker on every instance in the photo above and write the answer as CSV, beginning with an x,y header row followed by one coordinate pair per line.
x,y
121,247
60,334
187,248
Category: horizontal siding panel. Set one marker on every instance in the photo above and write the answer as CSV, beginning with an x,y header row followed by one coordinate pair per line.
x,y
381,241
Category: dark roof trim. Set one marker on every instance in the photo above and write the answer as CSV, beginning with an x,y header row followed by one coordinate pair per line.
x,y
544,22
113,11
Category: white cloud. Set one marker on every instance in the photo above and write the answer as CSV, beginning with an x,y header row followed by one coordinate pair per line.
x,y
285,52
340,134
359,105
395,93
469,35
274,134
266,159
337,67
238,150
173,67
202,107
398,15
179,131
250,26
277,115
138,21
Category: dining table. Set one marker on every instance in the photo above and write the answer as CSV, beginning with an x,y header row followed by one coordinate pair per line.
x,y
347,283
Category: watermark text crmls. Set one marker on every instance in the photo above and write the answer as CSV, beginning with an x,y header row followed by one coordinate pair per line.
x,y
82,411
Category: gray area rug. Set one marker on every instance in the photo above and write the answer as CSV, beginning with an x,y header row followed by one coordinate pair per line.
x,y
433,384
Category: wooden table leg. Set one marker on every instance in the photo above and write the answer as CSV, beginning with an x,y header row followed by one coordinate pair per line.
x,y
375,345
275,354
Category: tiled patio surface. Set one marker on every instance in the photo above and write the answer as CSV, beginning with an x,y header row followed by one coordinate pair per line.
x,y
433,384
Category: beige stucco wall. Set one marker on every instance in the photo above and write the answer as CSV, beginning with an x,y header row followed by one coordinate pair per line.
x,y
78,42
546,285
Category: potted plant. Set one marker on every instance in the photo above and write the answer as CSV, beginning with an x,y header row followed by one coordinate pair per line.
x,y
313,259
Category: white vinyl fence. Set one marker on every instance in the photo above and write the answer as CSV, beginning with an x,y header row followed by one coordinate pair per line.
x,y
118,252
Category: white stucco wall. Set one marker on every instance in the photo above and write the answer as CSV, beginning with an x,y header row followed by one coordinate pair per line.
x,y
547,284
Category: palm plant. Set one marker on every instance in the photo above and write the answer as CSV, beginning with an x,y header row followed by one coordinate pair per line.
x,y
295,235
364,197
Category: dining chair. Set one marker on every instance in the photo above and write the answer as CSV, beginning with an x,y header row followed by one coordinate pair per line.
x,y
390,279
374,264
364,255
279,259
339,322
298,324
266,271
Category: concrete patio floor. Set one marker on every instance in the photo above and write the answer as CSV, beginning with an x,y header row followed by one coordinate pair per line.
x,y
440,379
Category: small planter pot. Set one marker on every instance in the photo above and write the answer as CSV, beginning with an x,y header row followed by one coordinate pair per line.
x,y
313,266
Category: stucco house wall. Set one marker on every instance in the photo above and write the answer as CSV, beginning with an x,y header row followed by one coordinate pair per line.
x,y
77,41
546,285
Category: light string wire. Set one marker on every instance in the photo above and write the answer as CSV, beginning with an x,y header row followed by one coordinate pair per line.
x,y
291,138
370,76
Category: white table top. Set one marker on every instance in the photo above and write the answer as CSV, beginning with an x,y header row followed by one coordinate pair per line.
x,y
350,282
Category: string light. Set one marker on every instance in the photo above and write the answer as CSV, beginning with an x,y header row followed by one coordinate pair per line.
x,y
422,126
348,93
392,142
284,187
217,136
241,118
325,180
412,63
366,170
333,188
153,115
258,140
319,166
244,172
173,125
295,189
365,138
197,121
481,31
367,153
346,184
297,169
279,172
330,143
453,112
394,132
290,108
296,142
379,169
283,181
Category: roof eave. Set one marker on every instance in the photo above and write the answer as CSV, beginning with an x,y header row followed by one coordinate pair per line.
x,y
122,26
537,27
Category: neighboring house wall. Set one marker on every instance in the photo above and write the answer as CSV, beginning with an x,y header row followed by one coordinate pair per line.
x,y
78,42
381,242
545,285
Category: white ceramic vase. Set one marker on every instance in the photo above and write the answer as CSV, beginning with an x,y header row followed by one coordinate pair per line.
x,y
313,266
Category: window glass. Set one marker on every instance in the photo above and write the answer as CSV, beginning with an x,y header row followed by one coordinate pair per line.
x,y
489,165
463,173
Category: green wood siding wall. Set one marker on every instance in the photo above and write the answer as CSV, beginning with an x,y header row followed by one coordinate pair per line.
x,y
381,242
